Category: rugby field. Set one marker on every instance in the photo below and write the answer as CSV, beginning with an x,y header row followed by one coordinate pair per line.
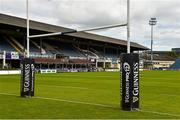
x,y
90,95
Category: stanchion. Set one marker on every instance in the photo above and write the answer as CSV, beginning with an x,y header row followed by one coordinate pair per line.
x,y
27,77
130,81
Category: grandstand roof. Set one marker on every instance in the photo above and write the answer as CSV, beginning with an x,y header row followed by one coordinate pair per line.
x,y
20,22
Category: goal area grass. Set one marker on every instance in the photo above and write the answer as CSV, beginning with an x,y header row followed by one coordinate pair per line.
x,y
90,95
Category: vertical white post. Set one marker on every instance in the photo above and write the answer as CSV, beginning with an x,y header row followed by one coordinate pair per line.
x,y
27,13
152,46
4,59
128,26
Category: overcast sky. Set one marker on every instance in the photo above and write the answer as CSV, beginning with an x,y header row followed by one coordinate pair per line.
x,y
82,14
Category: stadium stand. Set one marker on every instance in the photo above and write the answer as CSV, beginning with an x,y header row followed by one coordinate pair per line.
x,y
162,60
176,65
98,53
88,53
70,50
4,45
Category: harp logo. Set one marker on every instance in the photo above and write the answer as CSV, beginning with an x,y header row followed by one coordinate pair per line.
x,y
135,99
126,67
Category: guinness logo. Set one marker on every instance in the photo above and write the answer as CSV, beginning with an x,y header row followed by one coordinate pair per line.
x,y
126,67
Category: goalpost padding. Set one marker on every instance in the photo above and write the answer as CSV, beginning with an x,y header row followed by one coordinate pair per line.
x,y
130,82
27,77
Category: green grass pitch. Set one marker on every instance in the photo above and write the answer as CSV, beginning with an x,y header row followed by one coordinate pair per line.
x,y
90,95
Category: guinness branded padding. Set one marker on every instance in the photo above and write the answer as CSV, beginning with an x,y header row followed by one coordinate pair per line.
x,y
27,77
130,81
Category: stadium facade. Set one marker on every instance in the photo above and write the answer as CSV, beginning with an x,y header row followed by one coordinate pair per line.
x,y
176,50
80,51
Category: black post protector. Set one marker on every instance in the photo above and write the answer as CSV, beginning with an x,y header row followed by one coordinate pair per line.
x,y
27,77
130,82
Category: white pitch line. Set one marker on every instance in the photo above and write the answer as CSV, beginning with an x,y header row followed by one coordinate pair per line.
x,y
170,95
63,100
8,94
94,104
81,76
160,113
77,102
83,88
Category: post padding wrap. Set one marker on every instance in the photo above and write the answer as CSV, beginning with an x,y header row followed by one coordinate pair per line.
x,y
130,81
27,77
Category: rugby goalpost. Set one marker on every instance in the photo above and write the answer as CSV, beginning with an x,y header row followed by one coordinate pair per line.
x,y
75,31
129,65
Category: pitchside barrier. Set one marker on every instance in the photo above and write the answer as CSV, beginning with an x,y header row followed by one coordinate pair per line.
x,y
27,77
130,82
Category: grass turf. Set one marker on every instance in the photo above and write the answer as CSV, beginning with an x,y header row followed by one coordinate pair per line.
x,y
90,95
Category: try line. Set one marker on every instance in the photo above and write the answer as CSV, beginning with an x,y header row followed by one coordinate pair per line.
x,y
93,104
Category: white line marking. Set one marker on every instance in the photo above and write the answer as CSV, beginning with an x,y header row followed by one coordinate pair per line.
x,y
170,95
164,94
63,100
160,113
9,94
77,102
155,85
79,76
83,88
73,87
94,104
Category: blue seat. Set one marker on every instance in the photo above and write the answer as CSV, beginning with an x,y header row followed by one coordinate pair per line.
x,y
176,65
5,46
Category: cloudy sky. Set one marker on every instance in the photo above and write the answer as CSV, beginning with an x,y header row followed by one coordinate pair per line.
x,y
82,14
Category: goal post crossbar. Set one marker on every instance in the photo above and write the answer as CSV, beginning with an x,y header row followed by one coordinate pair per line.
x,y
76,31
